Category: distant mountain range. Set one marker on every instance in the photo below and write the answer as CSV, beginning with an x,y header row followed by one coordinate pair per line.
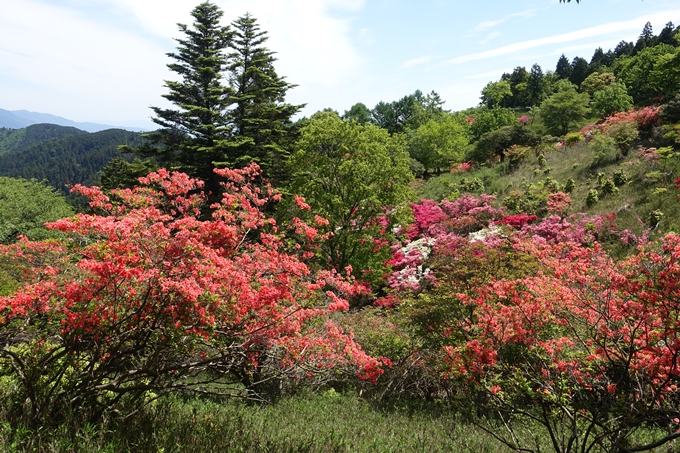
x,y
61,155
17,119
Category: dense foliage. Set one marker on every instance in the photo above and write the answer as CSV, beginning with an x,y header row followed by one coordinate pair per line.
x,y
72,159
222,119
532,290
356,177
146,299
25,206
15,140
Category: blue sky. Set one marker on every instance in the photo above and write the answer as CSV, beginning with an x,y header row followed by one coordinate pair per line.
x,y
104,60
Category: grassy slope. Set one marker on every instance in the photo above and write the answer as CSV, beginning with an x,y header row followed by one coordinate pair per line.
x,y
632,204
311,423
324,423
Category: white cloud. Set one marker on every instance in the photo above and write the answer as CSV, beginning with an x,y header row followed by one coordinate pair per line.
x,y
461,96
490,37
487,24
566,37
416,61
73,63
113,51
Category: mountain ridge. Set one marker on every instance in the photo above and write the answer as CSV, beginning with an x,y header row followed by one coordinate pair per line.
x,y
17,119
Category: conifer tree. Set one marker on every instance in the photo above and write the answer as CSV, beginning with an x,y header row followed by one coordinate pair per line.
x,y
536,84
193,133
579,71
667,35
646,38
229,104
563,69
261,118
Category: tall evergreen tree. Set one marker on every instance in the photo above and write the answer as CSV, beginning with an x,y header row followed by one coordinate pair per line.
x,y
193,133
623,48
536,84
598,57
518,85
563,69
579,71
261,118
646,38
667,35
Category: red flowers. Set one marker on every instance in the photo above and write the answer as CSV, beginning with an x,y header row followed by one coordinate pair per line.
x,y
146,291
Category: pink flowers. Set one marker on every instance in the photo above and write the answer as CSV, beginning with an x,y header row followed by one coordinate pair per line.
x,y
558,202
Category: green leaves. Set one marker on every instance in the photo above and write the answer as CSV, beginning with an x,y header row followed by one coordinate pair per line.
x,y
355,176
25,206
563,109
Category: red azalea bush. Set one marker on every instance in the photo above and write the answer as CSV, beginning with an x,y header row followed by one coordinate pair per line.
x,y
645,118
517,220
148,296
586,340
558,202
539,323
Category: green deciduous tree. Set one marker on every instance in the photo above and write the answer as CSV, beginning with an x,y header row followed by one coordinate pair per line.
x,y
563,109
486,120
351,174
651,73
597,81
359,113
25,206
494,143
494,93
408,112
439,142
610,99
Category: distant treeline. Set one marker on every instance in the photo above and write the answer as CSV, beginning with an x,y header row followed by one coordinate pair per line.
x,y
62,156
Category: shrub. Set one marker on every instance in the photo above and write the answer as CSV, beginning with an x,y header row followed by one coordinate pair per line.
x,y
148,297
655,217
515,155
471,185
608,187
558,202
624,134
620,177
517,221
572,139
592,197
604,150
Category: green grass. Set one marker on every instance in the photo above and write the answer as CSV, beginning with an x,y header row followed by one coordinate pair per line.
x,y
329,422
633,202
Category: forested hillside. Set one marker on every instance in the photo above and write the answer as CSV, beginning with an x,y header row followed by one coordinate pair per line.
x,y
72,157
15,140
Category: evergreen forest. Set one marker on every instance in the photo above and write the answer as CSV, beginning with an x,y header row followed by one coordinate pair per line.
x,y
393,278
